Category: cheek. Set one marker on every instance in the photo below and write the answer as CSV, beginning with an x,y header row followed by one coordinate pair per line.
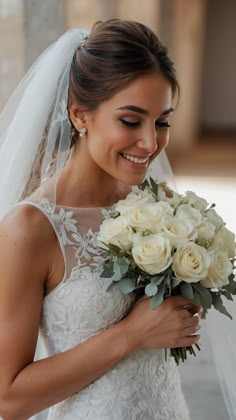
x,y
163,139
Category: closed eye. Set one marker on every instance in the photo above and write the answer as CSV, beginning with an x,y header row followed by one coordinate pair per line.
x,y
129,123
134,124
162,124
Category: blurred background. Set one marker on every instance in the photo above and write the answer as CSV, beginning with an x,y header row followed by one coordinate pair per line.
x,y
201,37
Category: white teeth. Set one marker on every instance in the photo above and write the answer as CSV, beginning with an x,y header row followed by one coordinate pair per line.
x,y
134,159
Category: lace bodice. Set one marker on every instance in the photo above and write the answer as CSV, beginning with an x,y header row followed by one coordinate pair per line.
x,y
143,386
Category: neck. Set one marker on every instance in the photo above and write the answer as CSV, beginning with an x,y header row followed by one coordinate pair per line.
x,y
84,184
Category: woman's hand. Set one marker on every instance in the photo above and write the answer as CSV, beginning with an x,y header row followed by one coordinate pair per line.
x,y
172,324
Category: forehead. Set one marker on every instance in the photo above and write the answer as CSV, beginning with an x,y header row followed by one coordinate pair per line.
x,y
151,91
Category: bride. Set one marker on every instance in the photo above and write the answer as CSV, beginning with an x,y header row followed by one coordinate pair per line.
x,y
81,130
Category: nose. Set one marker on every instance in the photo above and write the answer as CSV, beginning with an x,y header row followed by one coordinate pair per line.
x,y
149,142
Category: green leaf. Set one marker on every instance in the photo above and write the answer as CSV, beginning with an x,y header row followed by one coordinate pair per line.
x,y
123,263
154,186
159,297
196,298
156,300
204,294
117,272
174,282
186,290
218,305
127,285
157,280
107,271
151,289
109,283
227,294
231,287
144,185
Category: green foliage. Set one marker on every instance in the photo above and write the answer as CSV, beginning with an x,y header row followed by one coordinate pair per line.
x,y
218,305
187,290
205,297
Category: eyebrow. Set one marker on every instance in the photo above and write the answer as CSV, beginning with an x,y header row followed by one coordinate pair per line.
x,y
143,111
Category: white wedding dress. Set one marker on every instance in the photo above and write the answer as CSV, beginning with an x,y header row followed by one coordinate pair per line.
x,y
143,386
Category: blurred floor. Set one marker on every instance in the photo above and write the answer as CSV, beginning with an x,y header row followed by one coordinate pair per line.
x,y
210,170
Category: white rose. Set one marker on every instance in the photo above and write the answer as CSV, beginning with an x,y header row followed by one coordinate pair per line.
x,y
219,270
179,231
191,262
134,199
116,232
196,201
214,218
225,239
150,216
206,230
152,253
173,201
186,212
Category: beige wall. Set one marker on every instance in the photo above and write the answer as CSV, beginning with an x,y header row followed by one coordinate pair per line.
x,y
12,47
219,83
187,49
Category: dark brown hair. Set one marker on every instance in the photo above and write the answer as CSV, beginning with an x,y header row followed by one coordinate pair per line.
x,y
115,53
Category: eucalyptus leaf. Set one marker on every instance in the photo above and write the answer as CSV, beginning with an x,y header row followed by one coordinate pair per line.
x,y
156,300
117,275
127,285
157,280
108,271
186,290
174,282
109,283
204,294
151,289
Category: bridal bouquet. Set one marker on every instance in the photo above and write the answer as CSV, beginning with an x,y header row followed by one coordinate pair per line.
x,y
162,244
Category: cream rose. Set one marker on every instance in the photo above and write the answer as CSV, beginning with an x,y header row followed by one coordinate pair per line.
x,y
191,262
152,253
173,201
196,201
214,218
219,271
206,230
225,239
150,216
178,231
134,199
186,212
116,232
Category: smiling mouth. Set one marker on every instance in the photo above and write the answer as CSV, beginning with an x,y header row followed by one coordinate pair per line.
x,y
135,159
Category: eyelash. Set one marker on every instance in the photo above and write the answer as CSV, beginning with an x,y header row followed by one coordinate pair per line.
x,y
129,124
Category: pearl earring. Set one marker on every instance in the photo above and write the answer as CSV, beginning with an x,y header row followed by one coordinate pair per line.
x,y
83,132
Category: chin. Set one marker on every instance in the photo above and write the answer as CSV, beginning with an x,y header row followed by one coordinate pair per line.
x,y
133,180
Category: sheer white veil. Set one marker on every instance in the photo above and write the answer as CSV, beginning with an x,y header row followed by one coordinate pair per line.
x,y
35,143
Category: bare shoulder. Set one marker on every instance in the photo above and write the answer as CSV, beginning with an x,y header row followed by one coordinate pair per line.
x,y
27,236
26,224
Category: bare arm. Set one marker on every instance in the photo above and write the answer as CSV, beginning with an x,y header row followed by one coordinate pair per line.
x,y
28,387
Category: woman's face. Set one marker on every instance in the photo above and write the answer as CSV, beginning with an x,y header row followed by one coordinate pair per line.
x,y
128,131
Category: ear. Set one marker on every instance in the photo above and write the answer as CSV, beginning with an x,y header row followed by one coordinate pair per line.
x,y
77,116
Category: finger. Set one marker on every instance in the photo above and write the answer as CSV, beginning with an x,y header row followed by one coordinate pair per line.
x,y
196,309
188,341
186,314
189,331
193,321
